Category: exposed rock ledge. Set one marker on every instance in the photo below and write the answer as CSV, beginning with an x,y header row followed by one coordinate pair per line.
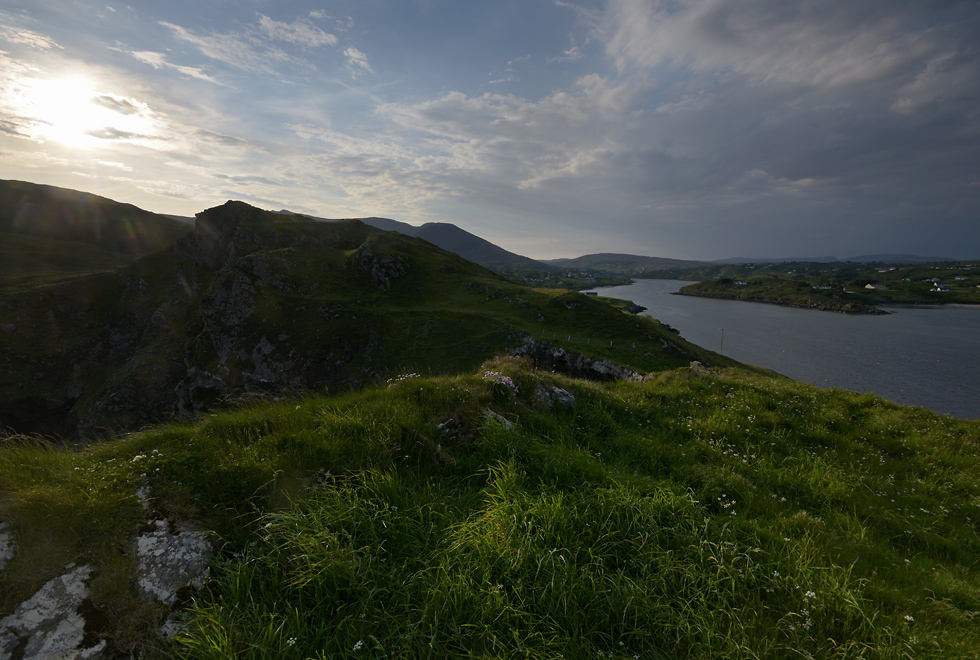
x,y
554,358
50,625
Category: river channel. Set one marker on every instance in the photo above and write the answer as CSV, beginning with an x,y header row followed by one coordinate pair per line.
x,y
927,357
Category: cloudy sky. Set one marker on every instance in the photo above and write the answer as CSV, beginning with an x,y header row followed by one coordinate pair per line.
x,y
697,129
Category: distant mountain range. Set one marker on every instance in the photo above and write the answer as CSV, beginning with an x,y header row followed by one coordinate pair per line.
x,y
864,258
450,237
46,230
623,264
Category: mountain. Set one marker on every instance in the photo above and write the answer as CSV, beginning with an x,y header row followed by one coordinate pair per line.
x,y
254,303
48,212
866,258
49,232
450,237
897,258
747,260
622,263
475,249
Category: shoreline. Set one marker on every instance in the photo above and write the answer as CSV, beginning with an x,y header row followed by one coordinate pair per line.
x,y
874,311
930,305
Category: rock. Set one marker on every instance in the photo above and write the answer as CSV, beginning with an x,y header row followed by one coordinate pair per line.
x,y
554,396
496,418
169,561
49,625
548,356
6,544
699,368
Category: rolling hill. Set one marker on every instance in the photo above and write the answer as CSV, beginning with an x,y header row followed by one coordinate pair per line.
x,y
258,303
454,239
50,232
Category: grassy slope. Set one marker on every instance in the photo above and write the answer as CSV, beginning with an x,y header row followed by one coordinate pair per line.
x,y
30,261
444,315
692,515
59,213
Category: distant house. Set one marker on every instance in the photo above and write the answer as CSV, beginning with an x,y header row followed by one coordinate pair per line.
x,y
823,287
876,287
741,283
961,277
940,288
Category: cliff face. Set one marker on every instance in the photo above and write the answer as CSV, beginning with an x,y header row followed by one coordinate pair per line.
x,y
224,312
253,303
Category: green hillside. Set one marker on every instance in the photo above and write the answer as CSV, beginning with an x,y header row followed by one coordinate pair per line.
x,y
692,515
30,261
255,303
49,212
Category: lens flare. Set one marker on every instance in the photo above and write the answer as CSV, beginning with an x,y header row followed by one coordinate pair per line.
x,y
73,112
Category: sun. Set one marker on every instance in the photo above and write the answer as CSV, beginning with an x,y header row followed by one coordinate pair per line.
x,y
73,112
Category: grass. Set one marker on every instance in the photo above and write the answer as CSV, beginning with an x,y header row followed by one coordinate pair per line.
x,y
731,515
835,286
297,309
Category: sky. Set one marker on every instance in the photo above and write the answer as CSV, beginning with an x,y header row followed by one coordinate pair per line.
x,y
693,129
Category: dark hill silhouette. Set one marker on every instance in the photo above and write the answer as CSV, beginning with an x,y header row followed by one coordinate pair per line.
x,y
454,239
49,212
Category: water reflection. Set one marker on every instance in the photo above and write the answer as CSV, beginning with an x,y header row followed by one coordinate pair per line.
x,y
920,357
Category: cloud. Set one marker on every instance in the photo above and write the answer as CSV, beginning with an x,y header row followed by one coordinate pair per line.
x,y
224,140
820,43
113,164
159,61
238,50
120,105
301,33
26,37
573,54
356,60
254,49
110,133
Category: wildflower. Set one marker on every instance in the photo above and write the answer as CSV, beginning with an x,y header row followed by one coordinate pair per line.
x,y
359,645
291,641
809,594
500,379
908,617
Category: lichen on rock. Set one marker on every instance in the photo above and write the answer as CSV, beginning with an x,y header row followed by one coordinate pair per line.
x,y
49,625
169,561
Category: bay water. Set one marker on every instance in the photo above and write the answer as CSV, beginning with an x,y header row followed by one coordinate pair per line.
x,y
927,357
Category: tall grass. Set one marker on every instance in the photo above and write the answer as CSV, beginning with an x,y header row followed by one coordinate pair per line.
x,y
691,515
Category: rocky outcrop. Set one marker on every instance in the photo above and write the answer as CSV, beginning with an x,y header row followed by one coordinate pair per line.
x,y
546,355
551,397
50,624
171,558
383,270
210,320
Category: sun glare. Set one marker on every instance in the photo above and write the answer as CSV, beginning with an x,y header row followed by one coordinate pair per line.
x,y
72,112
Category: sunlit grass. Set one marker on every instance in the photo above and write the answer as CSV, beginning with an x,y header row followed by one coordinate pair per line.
x,y
691,515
